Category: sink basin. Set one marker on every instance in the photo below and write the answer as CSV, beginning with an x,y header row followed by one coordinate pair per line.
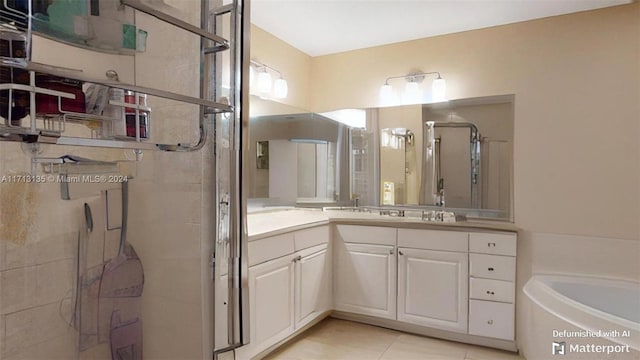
x,y
346,208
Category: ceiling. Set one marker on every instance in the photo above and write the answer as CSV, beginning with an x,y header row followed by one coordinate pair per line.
x,y
320,27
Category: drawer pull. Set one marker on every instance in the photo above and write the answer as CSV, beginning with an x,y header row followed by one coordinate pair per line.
x,y
297,258
490,269
490,292
491,244
490,322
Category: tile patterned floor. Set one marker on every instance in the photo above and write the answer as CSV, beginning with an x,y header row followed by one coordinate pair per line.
x,y
334,339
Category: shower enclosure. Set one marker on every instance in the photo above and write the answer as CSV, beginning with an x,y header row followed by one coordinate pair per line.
x,y
451,164
153,95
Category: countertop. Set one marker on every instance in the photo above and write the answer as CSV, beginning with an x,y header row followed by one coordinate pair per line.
x,y
270,222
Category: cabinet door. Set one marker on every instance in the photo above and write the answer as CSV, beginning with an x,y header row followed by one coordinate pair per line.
x,y
313,291
271,302
432,288
365,279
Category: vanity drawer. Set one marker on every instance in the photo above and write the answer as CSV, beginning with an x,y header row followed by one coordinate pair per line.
x,y
307,238
270,248
491,319
492,267
433,240
376,235
490,243
493,290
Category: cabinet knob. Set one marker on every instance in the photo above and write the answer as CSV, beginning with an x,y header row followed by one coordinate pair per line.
x,y
391,252
490,292
297,258
490,269
400,253
490,322
112,75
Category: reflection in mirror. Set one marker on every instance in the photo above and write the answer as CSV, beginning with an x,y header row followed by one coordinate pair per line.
x,y
316,170
395,144
473,143
298,159
452,151
459,157
456,155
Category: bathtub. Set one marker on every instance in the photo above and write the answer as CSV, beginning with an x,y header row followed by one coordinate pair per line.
x,y
581,311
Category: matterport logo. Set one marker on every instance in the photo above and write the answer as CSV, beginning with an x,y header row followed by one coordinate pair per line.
x,y
560,348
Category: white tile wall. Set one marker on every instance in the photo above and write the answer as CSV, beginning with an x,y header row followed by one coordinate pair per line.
x,y
37,278
17,289
54,281
33,326
174,335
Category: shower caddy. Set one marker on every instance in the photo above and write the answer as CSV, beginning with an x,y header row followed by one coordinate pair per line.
x,y
49,128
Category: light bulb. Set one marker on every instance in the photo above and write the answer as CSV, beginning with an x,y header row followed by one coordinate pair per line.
x,y
280,88
386,95
439,90
264,82
412,93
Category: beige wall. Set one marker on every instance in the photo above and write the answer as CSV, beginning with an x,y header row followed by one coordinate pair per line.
x,y
294,65
572,76
576,115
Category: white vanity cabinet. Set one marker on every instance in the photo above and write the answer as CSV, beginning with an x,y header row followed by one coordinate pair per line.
x,y
446,282
432,279
271,297
312,274
492,262
365,270
289,286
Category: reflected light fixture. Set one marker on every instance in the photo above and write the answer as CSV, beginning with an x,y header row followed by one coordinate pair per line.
x,y
438,90
413,93
386,95
265,86
252,76
280,88
264,81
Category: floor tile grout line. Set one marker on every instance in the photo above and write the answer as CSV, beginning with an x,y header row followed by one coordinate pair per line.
x,y
463,350
389,347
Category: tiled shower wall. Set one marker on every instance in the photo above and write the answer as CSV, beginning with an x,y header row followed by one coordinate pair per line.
x,y
37,276
166,227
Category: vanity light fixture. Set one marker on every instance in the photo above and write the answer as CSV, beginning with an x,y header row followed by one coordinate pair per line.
x,y
280,88
264,81
413,92
265,85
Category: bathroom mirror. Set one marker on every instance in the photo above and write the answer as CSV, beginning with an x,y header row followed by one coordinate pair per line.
x,y
297,157
456,155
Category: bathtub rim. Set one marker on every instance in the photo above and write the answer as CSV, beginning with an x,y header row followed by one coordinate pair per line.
x,y
539,291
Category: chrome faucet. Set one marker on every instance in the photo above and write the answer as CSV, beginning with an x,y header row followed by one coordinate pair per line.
x,y
355,198
440,201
